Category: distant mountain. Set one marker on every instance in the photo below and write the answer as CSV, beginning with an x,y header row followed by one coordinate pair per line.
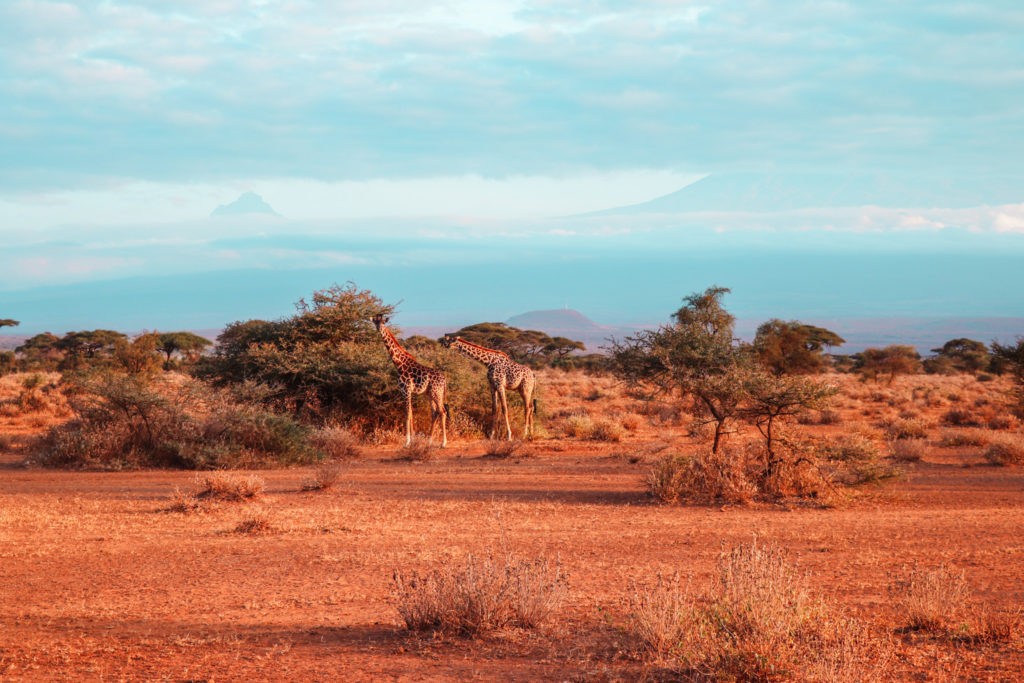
x,y
247,203
565,322
769,192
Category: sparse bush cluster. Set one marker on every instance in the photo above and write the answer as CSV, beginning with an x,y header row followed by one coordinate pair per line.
x,y
128,421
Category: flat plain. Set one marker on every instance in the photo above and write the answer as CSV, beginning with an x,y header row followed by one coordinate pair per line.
x,y
102,578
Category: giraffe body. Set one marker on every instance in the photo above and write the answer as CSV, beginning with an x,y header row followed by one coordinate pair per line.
x,y
503,374
415,378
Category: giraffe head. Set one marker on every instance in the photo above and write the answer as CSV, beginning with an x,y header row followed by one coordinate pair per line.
x,y
447,340
380,320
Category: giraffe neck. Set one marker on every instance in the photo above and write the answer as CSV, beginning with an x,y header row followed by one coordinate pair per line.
x,y
399,356
481,353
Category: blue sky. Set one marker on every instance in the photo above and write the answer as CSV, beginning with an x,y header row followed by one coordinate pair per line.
x,y
123,123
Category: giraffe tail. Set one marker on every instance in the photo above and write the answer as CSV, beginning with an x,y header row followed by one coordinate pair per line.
x,y
534,406
447,413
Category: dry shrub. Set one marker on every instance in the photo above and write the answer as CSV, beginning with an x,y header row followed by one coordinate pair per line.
x,y
325,477
959,417
1005,449
502,448
900,428
849,448
230,488
480,595
820,417
908,450
931,599
701,477
255,523
631,422
130,421
578,426
606,430
1001,422
664,617
857,459
336,443
184,502
419,449
964,437
758,623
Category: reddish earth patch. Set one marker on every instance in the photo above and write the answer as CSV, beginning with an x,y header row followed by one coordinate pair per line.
x,y
98,581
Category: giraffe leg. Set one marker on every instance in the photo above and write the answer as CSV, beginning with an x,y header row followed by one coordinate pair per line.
x,y
526,393
504,409
442,409
408,418
495,404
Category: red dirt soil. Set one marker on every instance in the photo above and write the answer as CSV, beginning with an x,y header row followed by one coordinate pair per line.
x,y
99,581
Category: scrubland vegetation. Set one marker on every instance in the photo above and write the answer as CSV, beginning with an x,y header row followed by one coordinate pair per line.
x,y
690,508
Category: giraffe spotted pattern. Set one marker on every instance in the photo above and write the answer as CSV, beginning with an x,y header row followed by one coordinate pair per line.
x,y
415,378
503,374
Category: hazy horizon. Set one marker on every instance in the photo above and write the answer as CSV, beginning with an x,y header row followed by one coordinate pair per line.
x,y
475,160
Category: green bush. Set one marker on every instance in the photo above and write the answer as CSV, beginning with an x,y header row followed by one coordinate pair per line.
x,y
129,421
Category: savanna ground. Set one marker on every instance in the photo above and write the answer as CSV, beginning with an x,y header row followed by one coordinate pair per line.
x,y
107,576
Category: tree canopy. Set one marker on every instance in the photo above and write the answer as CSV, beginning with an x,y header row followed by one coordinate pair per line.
x,y
892,360
9,322
524,346
793,347
187,344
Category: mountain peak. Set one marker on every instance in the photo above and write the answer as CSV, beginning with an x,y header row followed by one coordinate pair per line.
x,y
795,190
247,203
557,319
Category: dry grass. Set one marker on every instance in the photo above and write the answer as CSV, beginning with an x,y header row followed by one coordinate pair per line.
x,y
325,477
1005,450
420,449
336,443
902,428
955,438
939,601
254,524
908,450
481,595
701,477
758,623
220,486
502,448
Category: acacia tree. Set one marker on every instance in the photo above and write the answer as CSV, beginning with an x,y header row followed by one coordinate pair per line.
x,y
9,322
524,346
1012,357
188,344
959,355
326,360
771,400
695,357
892,360
793,347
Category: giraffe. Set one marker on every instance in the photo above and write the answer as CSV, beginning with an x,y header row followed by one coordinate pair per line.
x,y
502,373
415,378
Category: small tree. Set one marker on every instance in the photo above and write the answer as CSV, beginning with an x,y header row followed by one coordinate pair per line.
x,y
1011,356
771,400
88,346
41,352
793,347
959,355
187,344
892,361
696,357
